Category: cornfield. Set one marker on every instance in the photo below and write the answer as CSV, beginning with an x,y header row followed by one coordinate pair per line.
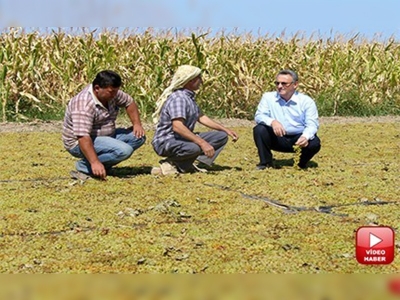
x,y
39,72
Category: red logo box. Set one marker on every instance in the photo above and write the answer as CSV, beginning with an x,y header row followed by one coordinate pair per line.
x,y
375,245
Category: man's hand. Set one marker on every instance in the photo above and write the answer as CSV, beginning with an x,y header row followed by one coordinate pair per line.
x,y
302,142
279,130
98,170
87,148
208,150
133,113
180,128
138,131
232,134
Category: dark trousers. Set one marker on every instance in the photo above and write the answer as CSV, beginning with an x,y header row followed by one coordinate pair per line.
x,y
183,153
266,140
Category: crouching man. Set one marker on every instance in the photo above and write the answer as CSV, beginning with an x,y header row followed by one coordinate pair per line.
x,y
89,131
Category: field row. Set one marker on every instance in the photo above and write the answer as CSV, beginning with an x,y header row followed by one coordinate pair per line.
x,y
351,77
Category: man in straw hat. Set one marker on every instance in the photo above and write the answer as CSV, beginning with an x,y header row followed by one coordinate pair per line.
x,y
176,115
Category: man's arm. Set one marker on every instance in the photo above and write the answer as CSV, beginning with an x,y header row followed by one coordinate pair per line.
x,y
87,148
179,127
263,113
133,113
264,116
206,121
311,123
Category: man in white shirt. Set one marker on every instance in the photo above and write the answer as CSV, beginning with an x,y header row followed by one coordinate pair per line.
x,y
286,118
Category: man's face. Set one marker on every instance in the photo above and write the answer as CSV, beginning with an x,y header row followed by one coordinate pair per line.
x,y
285,86
105,94
194,84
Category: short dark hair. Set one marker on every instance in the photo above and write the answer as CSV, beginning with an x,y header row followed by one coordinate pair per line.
x,y
107,78
291,73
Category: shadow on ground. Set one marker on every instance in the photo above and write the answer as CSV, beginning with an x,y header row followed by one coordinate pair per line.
x,y
279,163
123,172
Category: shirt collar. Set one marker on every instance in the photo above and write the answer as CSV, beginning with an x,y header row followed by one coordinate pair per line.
x,y
97,101
190,93
294,97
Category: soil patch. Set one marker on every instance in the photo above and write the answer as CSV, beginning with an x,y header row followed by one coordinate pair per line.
x,y
56,126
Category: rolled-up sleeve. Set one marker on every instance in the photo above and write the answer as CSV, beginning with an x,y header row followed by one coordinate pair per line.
x,y
123,99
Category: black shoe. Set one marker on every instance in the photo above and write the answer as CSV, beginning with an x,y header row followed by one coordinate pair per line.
x,y
263,167
202,165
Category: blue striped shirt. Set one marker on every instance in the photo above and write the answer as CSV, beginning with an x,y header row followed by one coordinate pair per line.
x,y
180,104
297,115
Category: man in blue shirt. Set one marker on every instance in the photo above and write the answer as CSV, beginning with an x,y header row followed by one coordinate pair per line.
x,y
285,119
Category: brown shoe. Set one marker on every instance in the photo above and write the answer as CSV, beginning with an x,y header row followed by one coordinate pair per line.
x,y
79,175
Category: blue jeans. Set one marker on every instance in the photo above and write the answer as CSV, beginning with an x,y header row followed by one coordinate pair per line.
x,y
110,150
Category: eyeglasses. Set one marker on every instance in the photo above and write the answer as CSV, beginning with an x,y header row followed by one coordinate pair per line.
x,y
284,84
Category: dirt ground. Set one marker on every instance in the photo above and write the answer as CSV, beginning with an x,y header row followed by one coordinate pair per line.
x,y
56,126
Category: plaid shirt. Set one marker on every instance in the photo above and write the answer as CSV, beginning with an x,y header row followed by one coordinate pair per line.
x,y
86,116
180,104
